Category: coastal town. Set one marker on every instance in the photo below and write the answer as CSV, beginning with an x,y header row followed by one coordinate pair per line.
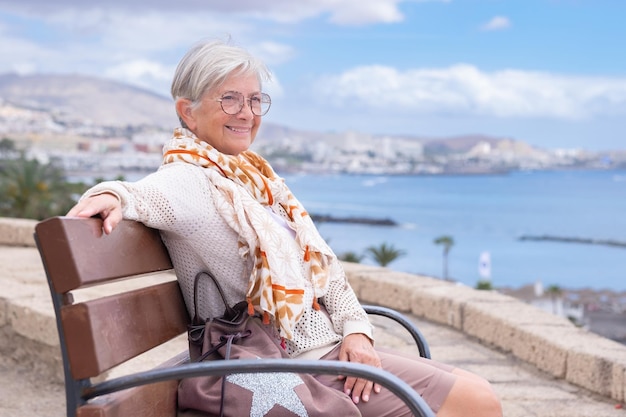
x,y
600,311
81,146
122,129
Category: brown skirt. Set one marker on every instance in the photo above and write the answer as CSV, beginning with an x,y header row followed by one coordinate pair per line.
x,y
430,379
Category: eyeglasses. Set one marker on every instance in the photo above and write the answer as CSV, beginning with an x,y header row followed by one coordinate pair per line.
x,y
232,103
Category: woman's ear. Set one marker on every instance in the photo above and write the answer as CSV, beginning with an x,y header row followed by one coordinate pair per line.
x,y
185,114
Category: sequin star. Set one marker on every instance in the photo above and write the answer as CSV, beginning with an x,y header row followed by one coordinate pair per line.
x,y
269,389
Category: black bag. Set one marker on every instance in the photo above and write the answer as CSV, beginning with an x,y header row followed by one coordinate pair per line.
x,y
237,335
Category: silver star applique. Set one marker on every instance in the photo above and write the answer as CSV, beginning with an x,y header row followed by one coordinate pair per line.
x,y
269,389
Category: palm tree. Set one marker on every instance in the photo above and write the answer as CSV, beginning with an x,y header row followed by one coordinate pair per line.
x,y
384,254
7,147
33,190
447,242
484,285
555,293
351,257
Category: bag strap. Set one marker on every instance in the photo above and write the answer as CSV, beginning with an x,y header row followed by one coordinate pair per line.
x,y
226,339
229,310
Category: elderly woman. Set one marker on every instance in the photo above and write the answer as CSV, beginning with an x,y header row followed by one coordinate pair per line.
x,y
220,207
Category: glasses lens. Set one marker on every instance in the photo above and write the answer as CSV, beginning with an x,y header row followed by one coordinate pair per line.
x,y
260,104
232,102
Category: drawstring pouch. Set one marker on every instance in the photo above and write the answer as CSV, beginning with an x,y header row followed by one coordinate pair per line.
x,y
239,335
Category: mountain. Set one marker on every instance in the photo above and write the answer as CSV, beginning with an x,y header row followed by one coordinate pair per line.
x,y
74,98
79,98
457,144
56,113
68,112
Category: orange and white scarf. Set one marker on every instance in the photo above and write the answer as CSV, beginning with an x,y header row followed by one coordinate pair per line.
x,y
276,283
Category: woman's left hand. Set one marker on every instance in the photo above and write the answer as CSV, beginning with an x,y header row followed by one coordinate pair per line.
x,y
358,348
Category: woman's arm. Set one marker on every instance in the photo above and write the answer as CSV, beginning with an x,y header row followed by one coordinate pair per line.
x,y
168,199
345,310
352,322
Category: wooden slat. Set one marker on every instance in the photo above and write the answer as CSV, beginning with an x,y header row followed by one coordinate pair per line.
x,y
77,253
154,400
105,332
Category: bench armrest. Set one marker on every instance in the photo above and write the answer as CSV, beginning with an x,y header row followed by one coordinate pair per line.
x,y
394,384
419,338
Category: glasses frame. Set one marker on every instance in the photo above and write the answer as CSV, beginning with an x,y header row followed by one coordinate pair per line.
x,y
265,98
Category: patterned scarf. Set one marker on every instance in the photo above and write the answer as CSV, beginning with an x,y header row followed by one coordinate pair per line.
x,y
276,285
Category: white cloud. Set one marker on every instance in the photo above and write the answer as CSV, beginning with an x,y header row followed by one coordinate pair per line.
x,y
358,12
341,12
148,32
273,53
497,23
22,55
274,88
464,89
141,49
119,36
142,73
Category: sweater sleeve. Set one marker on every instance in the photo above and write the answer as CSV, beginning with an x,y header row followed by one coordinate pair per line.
x,y
173,199
344,308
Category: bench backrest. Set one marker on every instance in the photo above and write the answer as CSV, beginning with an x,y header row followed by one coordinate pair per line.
x,y
103,332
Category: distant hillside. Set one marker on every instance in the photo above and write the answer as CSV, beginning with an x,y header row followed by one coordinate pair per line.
x,y
54,113
74,99
88,99
457,144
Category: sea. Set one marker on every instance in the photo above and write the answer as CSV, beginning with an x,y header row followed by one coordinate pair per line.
x,y
486,215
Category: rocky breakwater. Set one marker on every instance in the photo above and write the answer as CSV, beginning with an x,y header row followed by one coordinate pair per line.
x,y
326,218
569,239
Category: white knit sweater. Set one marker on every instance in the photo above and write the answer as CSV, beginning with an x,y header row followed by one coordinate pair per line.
x,y
177,200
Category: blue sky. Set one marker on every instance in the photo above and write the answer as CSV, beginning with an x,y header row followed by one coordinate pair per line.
x,y
548,72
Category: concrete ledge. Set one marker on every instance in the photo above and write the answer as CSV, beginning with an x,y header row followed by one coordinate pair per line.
x,y
551,343
17,232
597,364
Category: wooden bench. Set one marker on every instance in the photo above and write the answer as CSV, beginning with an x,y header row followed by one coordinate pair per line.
x,y
103,332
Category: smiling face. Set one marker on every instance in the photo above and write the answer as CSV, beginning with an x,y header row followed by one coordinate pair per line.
x,y
229,134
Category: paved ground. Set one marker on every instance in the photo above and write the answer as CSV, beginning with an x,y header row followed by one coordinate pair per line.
x,y
27,389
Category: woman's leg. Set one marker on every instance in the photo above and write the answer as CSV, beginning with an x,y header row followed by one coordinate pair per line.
x,y
470,396
447,390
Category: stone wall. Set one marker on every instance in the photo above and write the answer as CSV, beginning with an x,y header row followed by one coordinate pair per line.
x,y
17,232
551,343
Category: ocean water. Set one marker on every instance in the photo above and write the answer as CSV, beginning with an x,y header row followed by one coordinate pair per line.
x,y
486,213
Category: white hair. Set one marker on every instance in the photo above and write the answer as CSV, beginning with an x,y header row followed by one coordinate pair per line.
x,y
207,65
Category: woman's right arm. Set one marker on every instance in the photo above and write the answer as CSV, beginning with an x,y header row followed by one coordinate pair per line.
x,y
163,199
